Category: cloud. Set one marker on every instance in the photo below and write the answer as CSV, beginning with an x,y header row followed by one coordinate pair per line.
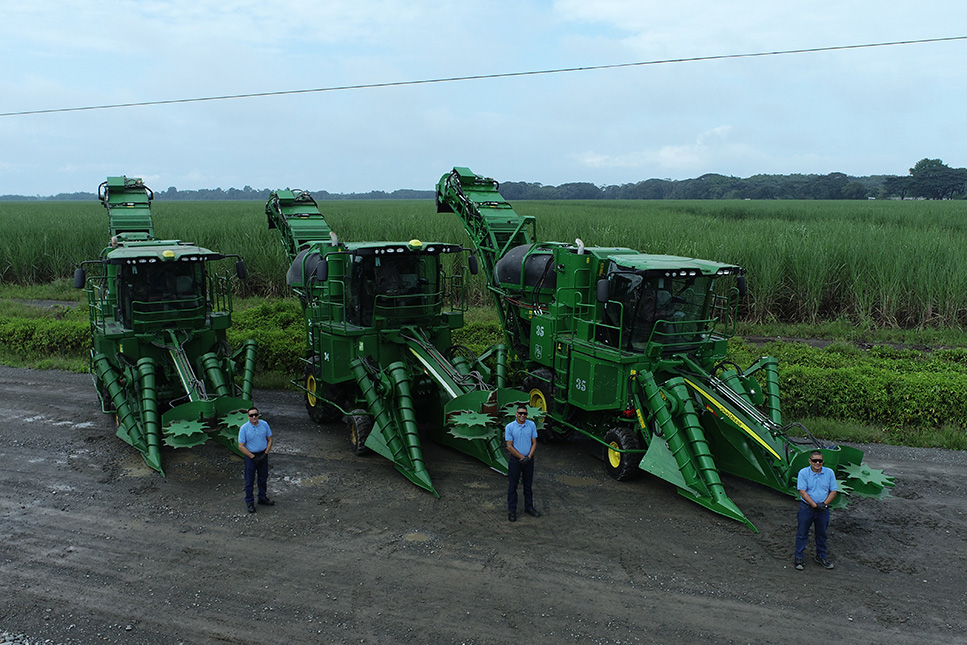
x,y
708,148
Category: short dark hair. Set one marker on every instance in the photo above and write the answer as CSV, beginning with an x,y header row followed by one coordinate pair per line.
x,y
816,452
522,406
253,408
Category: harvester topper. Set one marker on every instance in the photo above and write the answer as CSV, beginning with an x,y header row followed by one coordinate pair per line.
x,y
630,350
378,321
159,311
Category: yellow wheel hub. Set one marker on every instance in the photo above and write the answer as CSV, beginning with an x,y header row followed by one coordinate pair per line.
x,y
614,457
537,400
311,390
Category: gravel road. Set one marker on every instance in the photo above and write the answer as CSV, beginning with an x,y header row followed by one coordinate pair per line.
x,y
95,547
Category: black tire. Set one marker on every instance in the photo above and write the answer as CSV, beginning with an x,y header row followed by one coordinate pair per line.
x,y
106,399
360,425
538,388
622,465
320,411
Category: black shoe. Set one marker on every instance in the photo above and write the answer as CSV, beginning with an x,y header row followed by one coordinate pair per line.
x,y
265,501
826,563
251,508
512,516
800,565
533,512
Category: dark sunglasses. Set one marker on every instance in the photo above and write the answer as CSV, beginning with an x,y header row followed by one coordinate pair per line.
x,y
253,415
816,461
522,413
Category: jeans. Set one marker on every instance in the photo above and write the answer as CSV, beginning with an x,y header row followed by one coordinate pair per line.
x,y
251,469
514,472
807,518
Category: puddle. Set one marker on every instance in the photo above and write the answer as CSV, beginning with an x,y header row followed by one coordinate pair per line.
x,y
297,480
135,467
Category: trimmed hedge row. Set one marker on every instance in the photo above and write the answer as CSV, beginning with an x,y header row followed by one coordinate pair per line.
x,y
45,337
277,326
896,388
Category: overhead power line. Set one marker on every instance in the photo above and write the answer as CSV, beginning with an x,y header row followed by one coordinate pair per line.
x,y
479,77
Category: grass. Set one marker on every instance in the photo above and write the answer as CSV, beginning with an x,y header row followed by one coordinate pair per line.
x,y
882,264
849,332
60,290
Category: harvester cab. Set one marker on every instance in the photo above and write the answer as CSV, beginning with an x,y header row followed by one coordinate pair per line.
x,y
378,320
630,350
662,305
159,312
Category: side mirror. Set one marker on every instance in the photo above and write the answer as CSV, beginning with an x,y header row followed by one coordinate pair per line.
x,y
604,290
80,278
240,270
741,284
472,264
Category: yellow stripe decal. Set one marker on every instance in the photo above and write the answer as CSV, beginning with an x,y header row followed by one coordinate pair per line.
x,y
430,369
734,419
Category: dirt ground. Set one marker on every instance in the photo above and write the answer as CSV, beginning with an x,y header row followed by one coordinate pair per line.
x,y
94,547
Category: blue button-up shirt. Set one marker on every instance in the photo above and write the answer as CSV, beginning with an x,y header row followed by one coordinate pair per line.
x,y
817,485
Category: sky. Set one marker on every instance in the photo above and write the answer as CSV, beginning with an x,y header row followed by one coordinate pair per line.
x,y
860,111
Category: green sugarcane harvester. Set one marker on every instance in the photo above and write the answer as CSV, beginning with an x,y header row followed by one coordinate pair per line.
x,y
378,322
159,311
629,350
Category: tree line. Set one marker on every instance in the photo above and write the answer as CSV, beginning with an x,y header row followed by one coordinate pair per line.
x,y
928,179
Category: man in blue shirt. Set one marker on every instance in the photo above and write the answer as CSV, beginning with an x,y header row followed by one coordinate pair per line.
x,y
255,442
521,437
817,488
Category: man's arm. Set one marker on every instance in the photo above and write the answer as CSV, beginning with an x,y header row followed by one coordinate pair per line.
x,y
832,487
268,447
512,450
533,448
242,438
807,498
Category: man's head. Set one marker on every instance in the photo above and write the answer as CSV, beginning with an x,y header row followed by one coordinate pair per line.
x,y
521,413
253,415
816,460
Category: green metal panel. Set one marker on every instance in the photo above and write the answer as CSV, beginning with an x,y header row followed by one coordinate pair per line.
x,y
543,332
594,384
336,353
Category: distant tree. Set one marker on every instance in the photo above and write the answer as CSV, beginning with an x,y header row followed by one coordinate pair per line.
x,y
649,189
896,187
761,187
829,186
73,197
578,190
515,190
853,190
933,179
